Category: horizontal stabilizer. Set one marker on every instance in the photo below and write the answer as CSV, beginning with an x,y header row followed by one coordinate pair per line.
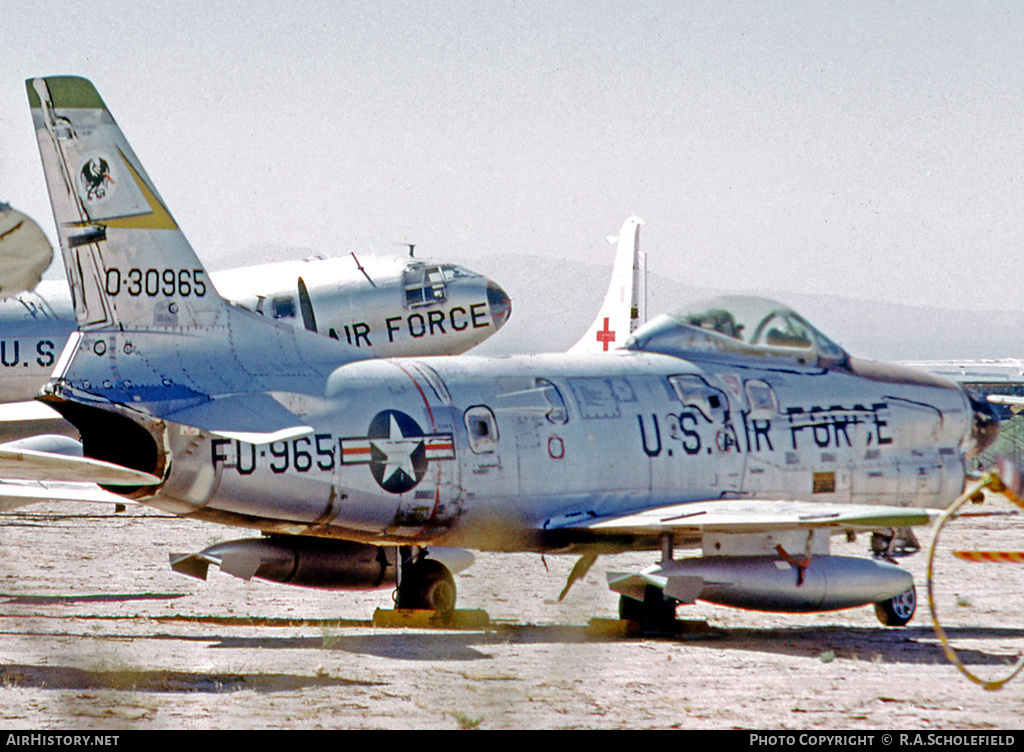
x,y
20,463
238,562
193,565
684,588
14,494
252,418
20,412
627,583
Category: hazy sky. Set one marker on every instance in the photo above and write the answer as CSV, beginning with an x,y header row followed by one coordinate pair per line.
x,y
869,149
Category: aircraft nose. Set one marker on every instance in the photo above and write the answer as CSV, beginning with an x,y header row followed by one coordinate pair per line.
x,y
499,304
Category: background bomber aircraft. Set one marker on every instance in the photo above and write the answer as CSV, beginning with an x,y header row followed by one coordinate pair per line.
x,y
387,306
734,428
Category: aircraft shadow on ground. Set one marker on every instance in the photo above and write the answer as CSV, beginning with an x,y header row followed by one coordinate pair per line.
x,y
909,645
49,600
915,645
134,680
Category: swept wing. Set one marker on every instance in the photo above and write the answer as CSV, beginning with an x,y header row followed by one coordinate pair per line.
x,y
739,516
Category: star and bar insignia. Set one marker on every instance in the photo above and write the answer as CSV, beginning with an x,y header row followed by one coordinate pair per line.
x,y
397,450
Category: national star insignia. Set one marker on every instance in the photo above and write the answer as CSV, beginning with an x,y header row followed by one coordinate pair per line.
x,y
398,449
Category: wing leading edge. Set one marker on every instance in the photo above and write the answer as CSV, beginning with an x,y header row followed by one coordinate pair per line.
x,y
747,516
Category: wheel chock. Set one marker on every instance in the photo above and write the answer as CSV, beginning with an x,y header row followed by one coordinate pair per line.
x,y
612,628
413,618
679,628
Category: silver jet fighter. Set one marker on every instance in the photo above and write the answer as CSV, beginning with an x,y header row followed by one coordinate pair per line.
x,y
734,430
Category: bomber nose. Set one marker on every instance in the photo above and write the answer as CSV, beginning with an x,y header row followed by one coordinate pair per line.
x,y
499,304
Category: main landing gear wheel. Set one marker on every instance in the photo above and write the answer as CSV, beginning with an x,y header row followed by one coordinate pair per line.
x,y
896,612
426,584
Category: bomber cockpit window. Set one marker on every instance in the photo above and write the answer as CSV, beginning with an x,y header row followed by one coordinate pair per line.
x,y
424,285
284,307
450,271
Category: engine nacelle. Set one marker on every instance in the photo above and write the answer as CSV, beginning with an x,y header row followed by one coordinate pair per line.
x,y
767,583
296,560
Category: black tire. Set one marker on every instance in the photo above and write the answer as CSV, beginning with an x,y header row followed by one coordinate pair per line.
x,y
427,585
896,612
437,591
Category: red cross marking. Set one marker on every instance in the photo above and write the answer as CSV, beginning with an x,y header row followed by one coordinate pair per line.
x,y
606,335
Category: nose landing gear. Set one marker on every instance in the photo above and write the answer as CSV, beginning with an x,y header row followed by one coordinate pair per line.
x,y
899,610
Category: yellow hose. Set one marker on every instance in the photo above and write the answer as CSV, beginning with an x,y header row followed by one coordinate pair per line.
x,y
991,481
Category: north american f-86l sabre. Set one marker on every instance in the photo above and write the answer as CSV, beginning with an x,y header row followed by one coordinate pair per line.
x,y
734,430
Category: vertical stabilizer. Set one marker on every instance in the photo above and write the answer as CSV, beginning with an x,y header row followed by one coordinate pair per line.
x,y
154,337
638,314
128,264
626,297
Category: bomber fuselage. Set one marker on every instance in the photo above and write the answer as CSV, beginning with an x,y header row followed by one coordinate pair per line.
x,y
384,306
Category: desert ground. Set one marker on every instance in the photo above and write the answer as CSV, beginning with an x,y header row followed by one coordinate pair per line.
x,y
99,633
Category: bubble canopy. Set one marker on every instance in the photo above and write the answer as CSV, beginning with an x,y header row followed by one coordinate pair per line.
x,y
738,325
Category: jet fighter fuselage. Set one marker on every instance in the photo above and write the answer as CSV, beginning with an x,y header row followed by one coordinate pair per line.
x,y
504,454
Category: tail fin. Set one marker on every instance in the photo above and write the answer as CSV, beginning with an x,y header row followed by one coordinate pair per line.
x,y
155,338
638,312
625,302
128,263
